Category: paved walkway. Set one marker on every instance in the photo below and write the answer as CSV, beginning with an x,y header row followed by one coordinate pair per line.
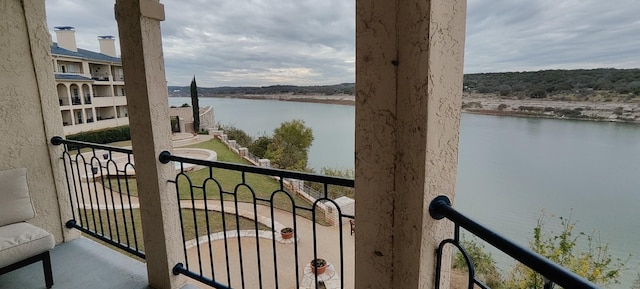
x,y
254,252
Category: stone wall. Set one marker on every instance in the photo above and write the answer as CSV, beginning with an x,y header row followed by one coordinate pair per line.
x,y
185,114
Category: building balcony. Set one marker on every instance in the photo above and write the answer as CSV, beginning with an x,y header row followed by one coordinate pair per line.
x,y
100,77
231,221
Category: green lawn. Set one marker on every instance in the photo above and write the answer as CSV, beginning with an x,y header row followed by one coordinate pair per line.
x,y
230,181
215,224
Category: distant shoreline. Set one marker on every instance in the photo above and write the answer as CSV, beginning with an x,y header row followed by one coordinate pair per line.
x,y
626,112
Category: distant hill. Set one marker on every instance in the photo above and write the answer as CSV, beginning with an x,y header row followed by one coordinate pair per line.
x,y
537,84
540,84
343,88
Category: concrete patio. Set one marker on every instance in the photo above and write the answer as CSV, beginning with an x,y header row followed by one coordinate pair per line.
x,y
79,264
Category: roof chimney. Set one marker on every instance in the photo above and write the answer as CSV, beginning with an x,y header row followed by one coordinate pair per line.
x,y
66,36
107,45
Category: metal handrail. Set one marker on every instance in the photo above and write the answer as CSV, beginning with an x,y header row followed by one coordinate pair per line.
x,y
211,190
166,157
440,208
96,209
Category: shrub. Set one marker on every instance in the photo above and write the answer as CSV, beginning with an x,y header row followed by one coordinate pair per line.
x,y
234,133
259,146
103,136
502,106
335,192
590,260
472,104
483,263
618,110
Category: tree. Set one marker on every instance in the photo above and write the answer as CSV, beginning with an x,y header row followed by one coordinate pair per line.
x,y
259,146
290,145
195,107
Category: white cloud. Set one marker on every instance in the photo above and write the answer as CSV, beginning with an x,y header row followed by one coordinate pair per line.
x,y
308,42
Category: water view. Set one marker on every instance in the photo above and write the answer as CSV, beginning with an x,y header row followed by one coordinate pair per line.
x,y
509,169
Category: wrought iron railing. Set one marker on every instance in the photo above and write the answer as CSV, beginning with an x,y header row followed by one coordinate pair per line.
x,y
99,183
552,273
256,254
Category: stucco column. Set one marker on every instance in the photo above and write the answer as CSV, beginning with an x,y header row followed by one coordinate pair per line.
x,y
143,63
409,60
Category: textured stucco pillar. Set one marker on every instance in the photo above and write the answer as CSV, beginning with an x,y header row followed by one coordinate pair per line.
x,y
409,60
143,63
29,110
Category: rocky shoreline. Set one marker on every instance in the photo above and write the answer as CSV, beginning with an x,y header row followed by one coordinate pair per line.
x,y
610,111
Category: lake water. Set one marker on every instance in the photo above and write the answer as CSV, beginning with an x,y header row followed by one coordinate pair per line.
x,y
509,168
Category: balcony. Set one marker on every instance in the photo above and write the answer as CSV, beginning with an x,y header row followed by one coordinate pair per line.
x,y
88,187
220,201
82,263
251,202
100,76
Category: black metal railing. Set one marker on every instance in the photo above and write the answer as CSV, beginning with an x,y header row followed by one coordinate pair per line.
x,y
256,254
552,273
100,182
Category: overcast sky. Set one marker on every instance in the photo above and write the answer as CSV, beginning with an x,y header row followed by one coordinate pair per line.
x,y
311,42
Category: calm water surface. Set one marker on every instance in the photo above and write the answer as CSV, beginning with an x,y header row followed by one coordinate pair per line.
x,y
509,168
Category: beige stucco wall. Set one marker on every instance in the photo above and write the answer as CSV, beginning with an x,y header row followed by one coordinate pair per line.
x,y
409,59
186,115
29,106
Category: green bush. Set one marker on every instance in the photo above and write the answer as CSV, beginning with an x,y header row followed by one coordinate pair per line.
x,y
234,133
260,145
103,136
590,260
335,192
483,263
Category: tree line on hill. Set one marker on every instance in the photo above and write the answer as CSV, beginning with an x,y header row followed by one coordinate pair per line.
x,y
343,88
535,84
540,84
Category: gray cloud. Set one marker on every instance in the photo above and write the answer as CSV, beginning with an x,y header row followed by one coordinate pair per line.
x,y
305,42
531,35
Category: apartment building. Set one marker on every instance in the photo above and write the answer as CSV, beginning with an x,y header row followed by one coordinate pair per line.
x,y
90,84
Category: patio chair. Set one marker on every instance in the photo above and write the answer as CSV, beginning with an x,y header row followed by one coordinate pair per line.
x,y
21,243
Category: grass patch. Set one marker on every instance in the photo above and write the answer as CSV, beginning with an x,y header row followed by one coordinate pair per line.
x,y
126,237
229,181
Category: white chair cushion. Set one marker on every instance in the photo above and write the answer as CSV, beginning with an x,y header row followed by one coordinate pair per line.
x,y
20,241
15,204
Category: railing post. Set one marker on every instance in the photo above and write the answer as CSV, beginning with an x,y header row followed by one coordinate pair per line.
x,y
409,60
146,86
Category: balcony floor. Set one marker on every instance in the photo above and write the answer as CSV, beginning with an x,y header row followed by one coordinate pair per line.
x,y
82,263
